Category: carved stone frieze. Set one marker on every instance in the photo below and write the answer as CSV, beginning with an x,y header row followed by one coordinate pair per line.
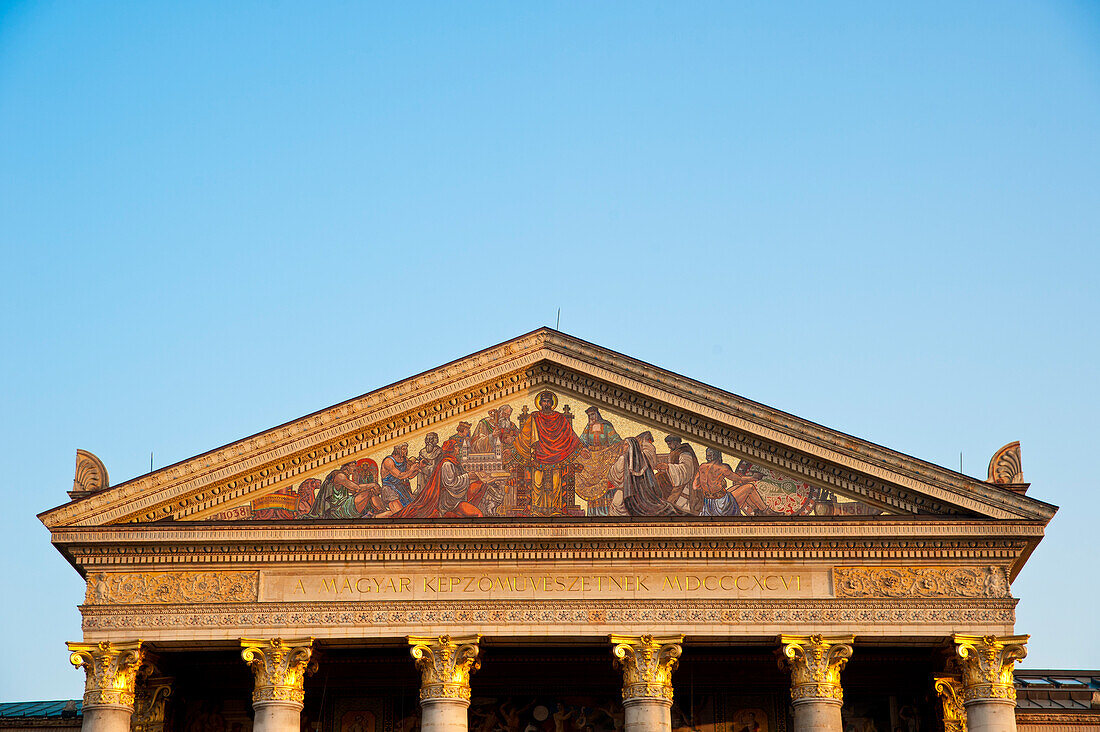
x,y
140,588
110,671
950,691
647,663
815,663
920,582
987,662
445,664
568,615
279,668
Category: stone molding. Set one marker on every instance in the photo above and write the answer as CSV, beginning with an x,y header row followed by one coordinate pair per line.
x,y
445,664
164,588
920,582
987,662
647,663
110,671
815,663
901,540
279,668
567,615
950,691
206,476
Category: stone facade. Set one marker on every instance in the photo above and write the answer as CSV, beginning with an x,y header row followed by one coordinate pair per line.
x,y
298,550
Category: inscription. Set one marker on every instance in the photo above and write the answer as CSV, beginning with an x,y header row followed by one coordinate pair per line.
x,y
520,584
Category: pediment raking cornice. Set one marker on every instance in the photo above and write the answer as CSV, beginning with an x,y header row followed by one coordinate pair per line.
x,y
784,441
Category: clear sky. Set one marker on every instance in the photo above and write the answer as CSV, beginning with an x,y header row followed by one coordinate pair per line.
x,y
216,217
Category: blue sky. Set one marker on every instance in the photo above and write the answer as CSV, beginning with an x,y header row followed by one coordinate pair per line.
x,y
218,217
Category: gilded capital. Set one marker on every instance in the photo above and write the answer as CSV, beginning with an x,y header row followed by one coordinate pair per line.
x,y
949,689
279,668
815,662
110,671
647,663
986,662
150,703
445,664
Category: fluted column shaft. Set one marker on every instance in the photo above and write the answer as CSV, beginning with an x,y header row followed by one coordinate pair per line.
x,y
989,695
445,664
647,663
110,671
815,663
279,668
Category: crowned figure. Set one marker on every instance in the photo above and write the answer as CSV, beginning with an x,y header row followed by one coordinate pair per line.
x,y
546,445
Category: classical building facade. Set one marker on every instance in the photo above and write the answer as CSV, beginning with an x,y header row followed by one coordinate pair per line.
x,y
548,536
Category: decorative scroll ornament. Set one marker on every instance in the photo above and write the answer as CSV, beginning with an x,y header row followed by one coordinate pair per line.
x,y
279,667
949,688
815,663
987,662
1005,467
110,671
647,664
920,582
445,664
150,702
160,588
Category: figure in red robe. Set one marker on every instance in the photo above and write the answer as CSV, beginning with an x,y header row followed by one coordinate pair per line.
x,y
450,492
546,443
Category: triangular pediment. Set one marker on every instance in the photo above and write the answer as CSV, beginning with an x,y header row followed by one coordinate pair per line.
x,y
595,445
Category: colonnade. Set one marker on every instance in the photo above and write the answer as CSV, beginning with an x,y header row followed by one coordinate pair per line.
x,y
977,693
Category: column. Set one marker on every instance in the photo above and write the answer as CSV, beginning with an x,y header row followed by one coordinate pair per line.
x,y
279,668
445,664
950,690
815,663
647,663
150,699
988,693
110,673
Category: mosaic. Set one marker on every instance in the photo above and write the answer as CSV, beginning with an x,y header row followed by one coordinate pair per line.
x,y
538,457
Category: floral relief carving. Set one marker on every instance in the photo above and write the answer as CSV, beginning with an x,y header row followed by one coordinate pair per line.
x,y
367,614
141,588
920,582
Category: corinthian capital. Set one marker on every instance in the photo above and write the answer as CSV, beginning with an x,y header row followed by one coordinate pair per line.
x,y
445,664
279,668
815,663
986,662
647,663
150,702
949,688
110,671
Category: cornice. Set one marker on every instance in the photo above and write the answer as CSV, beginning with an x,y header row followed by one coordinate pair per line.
x,y
909,541
757,431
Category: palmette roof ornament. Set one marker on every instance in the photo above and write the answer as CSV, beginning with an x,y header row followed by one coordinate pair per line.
x,y
91,475
1005,467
